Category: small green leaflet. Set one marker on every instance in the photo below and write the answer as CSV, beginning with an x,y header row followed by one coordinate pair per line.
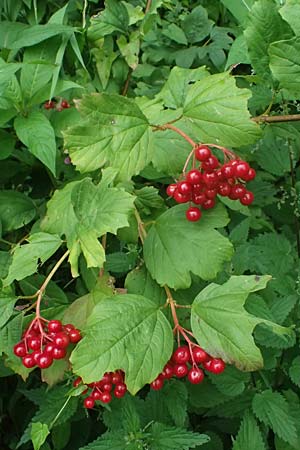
x,y
294,371
41,246
83,212
199,248
285,65
113,18
113,130
16,210
224,328
265,26
272,409
216,111
127,332
249,436
290,12
7,303
39,433
164,437
36,132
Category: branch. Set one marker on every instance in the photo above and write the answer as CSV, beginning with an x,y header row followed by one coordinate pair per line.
x,y
272,119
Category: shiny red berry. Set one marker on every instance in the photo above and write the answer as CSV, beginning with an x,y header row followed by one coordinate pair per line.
x,y
28,361
217,366
157,384
237,191
227,171
44,361
194,176
61,340
120,390
68,327
116,378
34,342
224,189
58,353
167,372
49,105
106,397
74,336
210,179
247,198
199,355
241,169
198,199
180,370
181,198
202,153
193,214
250,175
208,204
96,394
54,326
89,402
184,187
65,104
77,381
210,163
20,349
211,193
181,354
195,376
171,189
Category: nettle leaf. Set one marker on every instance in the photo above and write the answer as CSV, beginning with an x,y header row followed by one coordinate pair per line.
x,y
231,382
36,132
107,441
199,248
83,212
114,131
224,328
249,435
16,210
285,65
127,332
216,111
294,371
41,246
272,409
265,26
164,437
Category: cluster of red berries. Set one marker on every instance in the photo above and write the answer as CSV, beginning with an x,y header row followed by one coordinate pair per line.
x,y
101,390
201,185
185,362
44,341
59,106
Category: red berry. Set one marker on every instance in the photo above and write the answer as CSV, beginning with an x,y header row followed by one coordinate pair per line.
x,y
49,105
207,364
116,378
28,361
210,163
227,171
211,193
208,204
241,169
35,355
58,353
198,187
171,189
64,104
107,387
54,326
20,349
44,361
158,383
198,199
49,349
181,354
107,378
184,187
96,394
237,191
217,366
210,179
89,402
193,214
34,342
224,189
199,355
202,153
180,370
77,382
181,198
74,336
105,397
195,376
250,175
61,340
194,176
247,198
167,372
68,327
120,390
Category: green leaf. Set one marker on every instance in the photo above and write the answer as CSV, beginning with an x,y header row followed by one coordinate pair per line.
x,y
238,53
196,25
108,441
113,130
164,437
130,49
140,282
239,9
16,210
127,332
294,371
203,253
39,433
264,27
113,18
31,35
231,382
285,65
290,12
174,396
216,111
7,144
273,153
175,33
178,83
36,132
40,247
83,211
224,328
38,68
249,435
272,409
7,303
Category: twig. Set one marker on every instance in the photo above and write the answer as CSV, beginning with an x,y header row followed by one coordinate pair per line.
x,y
271,119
